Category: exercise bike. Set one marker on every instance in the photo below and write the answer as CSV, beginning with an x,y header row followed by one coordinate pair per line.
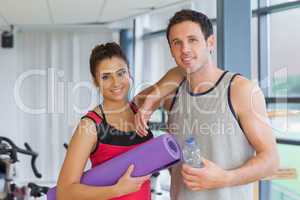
x,y
8,157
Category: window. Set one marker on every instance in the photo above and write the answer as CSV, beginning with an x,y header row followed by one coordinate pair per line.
x,y
215,55
284,48
209,8
287,189
254,49
282,32
273,2
157,58
286,124
158,20
254,4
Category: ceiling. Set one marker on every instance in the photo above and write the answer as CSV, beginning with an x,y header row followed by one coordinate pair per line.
x,y
68,12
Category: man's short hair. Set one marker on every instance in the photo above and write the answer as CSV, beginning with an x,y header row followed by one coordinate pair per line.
x,y
194,16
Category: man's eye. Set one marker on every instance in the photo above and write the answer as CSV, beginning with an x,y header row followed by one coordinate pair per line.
x,y
121,73
176,42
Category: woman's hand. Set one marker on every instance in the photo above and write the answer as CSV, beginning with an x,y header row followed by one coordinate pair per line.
x,y
128,184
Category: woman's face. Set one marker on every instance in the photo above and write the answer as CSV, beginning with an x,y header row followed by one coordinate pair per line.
x,y
112,78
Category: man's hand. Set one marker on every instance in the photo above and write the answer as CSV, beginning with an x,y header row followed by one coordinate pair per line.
x,y
140,120
208,177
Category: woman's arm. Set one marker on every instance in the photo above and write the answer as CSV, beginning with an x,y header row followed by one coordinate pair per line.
x,y
80,147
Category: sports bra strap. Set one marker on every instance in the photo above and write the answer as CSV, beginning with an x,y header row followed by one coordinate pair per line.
x,y
133,106
93,116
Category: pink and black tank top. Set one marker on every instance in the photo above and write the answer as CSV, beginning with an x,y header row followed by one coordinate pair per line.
x,y
112,142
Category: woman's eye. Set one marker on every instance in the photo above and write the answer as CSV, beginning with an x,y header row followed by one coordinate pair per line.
x,y
105,77
193,40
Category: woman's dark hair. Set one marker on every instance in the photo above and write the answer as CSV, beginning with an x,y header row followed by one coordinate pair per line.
x,y
190,15
104,51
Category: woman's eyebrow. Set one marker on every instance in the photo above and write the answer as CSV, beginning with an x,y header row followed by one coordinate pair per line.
x,y
119,70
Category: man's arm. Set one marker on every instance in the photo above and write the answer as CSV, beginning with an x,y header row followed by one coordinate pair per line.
x,y
153,95
249,103
160,94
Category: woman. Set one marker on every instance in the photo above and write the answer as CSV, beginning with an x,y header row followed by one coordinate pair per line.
x,y
105,133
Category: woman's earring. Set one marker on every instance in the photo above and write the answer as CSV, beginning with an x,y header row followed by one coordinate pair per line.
x,y
131,88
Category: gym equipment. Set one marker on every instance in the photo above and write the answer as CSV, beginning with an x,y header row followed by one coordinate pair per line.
x,y
8,157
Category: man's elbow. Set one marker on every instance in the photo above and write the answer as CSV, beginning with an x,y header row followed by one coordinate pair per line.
x,y
274,164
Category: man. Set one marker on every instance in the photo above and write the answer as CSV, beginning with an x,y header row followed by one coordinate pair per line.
x,y
224,112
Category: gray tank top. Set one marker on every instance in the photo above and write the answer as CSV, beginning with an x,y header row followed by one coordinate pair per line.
x,y
209,117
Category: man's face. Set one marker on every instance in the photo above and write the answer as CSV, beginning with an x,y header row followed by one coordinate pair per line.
x,y
188,46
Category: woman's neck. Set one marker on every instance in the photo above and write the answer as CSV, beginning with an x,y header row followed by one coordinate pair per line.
x,y
115,106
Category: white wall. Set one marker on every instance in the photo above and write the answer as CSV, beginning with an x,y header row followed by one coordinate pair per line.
x,y
8,67
65,51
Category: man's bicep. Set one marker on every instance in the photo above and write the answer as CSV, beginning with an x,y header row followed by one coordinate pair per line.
x,y
140,98
169,82
175,76
168,101
162,89
254,120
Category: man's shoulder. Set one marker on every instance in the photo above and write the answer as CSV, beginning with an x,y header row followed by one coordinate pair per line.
x,y
244,92
242,85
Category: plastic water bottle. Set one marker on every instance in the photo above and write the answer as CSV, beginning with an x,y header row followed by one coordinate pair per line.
x,y
192,153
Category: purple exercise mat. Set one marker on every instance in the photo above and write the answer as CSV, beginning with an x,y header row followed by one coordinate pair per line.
x,y
156,154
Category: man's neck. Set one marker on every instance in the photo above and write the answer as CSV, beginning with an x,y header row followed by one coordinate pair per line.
x,y
204,79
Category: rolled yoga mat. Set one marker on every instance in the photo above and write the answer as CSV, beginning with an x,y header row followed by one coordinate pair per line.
x,y
152,156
